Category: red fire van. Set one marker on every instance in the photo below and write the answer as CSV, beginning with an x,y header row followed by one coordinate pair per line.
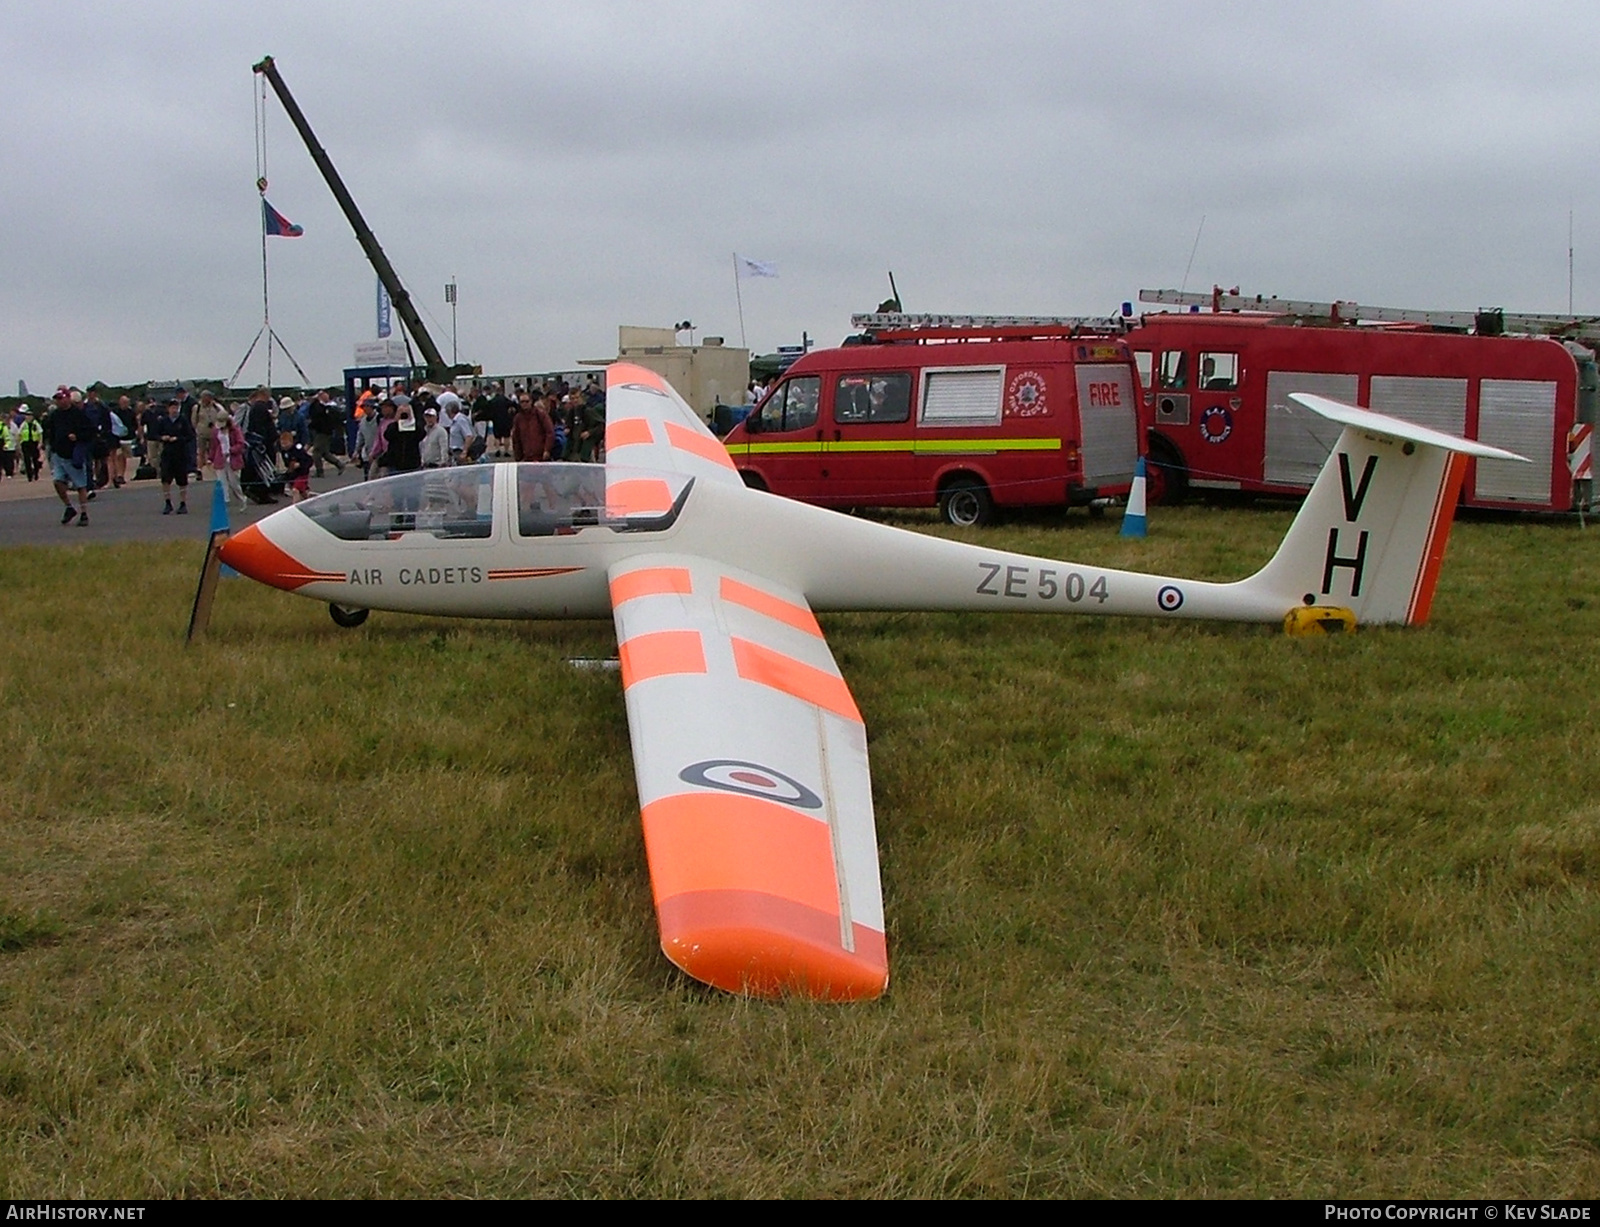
x,y
965,413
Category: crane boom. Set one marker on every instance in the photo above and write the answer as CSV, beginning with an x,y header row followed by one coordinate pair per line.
x,y
437,367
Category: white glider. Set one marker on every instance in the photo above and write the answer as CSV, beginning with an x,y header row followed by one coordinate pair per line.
x,y
749,752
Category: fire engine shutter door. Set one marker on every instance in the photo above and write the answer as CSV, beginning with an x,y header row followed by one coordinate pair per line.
x,y
1298,441
1110,422
968,397
1520,416
1440,404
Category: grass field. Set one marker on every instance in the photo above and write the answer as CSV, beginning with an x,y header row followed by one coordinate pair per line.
x,y
1174,909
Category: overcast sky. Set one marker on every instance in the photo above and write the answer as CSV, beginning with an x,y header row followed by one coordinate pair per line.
x,y
577,167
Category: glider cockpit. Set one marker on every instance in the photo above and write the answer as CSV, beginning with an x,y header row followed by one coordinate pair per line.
x,y
458,504
558,500
448,504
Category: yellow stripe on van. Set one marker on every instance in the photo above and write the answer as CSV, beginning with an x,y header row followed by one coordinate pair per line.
x,y
920,447
868,445
931,446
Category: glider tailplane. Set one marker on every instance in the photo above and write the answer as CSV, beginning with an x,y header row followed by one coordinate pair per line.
x,y
1372,532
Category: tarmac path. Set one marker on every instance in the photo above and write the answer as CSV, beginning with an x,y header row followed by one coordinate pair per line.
x,y
30,512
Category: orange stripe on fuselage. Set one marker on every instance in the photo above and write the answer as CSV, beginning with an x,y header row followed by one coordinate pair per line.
x,y
531,572
650,581
696,444
790,614
660,653
785,673
1444,514
624,432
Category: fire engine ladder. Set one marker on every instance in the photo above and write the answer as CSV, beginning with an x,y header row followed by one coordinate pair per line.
x,y
895,325
1488,322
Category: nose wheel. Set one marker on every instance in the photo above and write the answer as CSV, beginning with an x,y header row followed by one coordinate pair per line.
x,y
347,616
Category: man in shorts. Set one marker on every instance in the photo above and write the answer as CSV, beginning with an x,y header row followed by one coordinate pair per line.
x,y
71,439
177,436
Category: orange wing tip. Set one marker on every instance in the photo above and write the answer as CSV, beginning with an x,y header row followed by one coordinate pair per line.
x,y
619,373
721,841
249,552
748,942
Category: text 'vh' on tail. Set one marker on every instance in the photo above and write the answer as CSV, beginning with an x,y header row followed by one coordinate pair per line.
x,y
1372,532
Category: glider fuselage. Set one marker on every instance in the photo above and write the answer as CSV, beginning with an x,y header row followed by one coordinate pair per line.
x,y
486,545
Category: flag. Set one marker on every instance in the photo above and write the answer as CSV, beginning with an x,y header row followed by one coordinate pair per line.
x,y
754,268
275,223
384,325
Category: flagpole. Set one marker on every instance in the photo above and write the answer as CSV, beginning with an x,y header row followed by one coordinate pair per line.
x,y
739,298
266,301
260,107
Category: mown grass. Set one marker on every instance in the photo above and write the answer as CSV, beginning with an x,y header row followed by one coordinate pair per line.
x,y
1174,909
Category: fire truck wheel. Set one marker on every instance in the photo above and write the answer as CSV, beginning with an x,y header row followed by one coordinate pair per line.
x,y
347,616
1166,480
966,503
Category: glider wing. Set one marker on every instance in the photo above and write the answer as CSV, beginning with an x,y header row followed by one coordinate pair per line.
x,y
648,426
751,762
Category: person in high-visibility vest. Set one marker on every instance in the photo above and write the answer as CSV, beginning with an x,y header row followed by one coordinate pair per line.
x,y
10,438
30,439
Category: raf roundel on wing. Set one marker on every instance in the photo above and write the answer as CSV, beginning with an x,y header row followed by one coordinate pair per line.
x,y
751,779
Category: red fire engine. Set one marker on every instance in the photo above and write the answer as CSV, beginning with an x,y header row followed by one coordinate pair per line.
x,y
966,412
1216,388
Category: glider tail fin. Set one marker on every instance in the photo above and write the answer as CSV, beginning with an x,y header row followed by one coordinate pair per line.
x,y
1372,532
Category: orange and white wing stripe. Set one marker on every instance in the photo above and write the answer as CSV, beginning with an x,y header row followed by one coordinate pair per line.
x,y
648,426
751,761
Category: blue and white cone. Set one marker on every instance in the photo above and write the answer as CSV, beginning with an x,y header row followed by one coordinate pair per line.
x,y
1133,524
219,518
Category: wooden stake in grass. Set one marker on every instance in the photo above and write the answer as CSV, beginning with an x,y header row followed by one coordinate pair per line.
x,y
200,615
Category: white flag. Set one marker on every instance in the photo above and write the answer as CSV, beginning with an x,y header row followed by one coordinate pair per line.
x,y
755,268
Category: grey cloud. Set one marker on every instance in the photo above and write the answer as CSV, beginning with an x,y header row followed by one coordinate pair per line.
x,y
583,166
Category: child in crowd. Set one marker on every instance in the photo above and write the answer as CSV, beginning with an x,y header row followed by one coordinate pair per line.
x,y
296,457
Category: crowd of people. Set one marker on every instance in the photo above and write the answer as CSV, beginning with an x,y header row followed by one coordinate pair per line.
x,y
257,448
